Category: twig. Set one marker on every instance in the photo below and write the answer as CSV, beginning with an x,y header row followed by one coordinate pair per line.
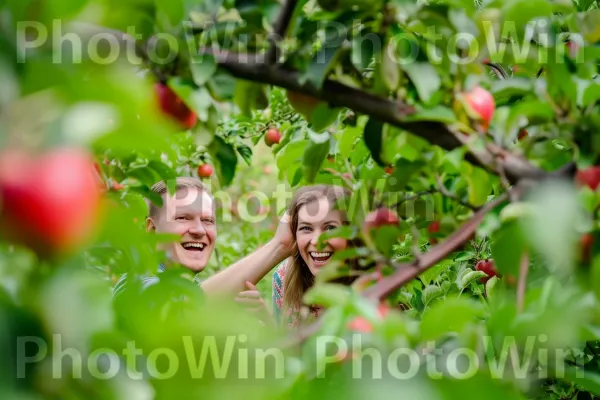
x,y
347,181
522,284
443,190
414,197
280,28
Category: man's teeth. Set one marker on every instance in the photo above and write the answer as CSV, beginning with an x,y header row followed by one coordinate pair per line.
x,y
320,255
193,245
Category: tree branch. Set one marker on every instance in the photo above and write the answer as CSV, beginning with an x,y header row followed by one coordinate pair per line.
x,y
280,29
408,271
254,68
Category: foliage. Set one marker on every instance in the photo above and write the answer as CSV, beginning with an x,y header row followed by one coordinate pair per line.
x,y
399,134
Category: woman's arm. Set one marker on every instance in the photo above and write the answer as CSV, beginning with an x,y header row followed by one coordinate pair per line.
x,y
255,266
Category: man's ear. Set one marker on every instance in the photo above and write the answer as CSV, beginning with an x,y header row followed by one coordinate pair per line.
x,y
150,227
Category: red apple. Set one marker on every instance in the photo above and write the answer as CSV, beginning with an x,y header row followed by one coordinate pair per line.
x,y
589,177
173,105
481,103
117,186
434,227
489,268
522,134
205,170
360,324
389,170
380,217
50,201
272,137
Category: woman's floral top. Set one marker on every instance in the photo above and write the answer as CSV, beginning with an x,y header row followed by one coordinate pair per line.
x,y
292,315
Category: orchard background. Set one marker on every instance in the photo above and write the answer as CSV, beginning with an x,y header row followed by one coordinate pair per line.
x,y
471,127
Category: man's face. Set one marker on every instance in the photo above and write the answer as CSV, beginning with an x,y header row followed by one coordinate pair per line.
x,y
190,215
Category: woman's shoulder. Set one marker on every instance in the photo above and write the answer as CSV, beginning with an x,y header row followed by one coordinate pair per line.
x,y
279,274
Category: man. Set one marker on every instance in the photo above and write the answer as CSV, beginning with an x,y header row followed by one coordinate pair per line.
x,y
190,213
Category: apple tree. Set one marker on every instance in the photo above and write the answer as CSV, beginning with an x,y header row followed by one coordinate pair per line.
x,y
466,131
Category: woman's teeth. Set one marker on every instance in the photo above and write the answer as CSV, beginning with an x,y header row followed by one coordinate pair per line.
x,y
320,257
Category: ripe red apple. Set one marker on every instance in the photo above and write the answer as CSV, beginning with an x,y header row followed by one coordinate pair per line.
x,y
573,48
489,268
522,134
380,217
589,177
272,137
205,170
389,170
481,104
173,105
360,324
434,227
50,201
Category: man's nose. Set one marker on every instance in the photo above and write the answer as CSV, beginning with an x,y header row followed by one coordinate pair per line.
x,y
197,228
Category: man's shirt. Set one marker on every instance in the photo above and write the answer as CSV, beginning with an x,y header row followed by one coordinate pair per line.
x,y
145,281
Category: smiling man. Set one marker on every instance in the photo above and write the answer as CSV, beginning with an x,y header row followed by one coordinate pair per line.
x,y
190,214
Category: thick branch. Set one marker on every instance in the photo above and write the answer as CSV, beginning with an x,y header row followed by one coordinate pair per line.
x,y
408,271
280,29
254,68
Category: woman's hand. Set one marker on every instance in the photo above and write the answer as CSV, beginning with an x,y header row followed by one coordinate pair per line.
x,y
253,301
284,236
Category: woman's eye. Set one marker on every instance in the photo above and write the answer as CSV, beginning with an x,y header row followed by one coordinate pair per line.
x,y
330,227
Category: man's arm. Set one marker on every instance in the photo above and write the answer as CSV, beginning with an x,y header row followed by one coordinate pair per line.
x,y
253,267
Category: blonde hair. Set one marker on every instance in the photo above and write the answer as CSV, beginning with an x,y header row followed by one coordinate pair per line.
x,y
182,182
298,278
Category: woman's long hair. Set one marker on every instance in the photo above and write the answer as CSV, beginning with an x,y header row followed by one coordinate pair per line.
x,y
298,278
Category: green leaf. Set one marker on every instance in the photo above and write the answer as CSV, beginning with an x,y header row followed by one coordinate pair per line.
x,y
373,139
249,95
431,293
508,245
506,88
245,152
520,13
480,186
327,295
451,315
350,136
404,170
314,156
322,63
425,78
471,277
291,154
323,116
173,11
553,227
202,67
226,159
437,113
588,380
590,26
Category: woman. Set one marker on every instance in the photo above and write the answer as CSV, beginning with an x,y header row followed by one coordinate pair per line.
x,y
312,213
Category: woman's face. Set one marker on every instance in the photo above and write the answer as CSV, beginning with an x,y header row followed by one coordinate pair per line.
x,y
314,219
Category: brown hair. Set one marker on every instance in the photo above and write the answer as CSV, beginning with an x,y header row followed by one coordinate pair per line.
x,y
298,278
182,182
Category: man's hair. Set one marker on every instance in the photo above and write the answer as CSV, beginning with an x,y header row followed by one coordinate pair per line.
x,y
182,182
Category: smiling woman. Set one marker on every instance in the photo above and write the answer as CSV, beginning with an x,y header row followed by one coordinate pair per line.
x,y
313,212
